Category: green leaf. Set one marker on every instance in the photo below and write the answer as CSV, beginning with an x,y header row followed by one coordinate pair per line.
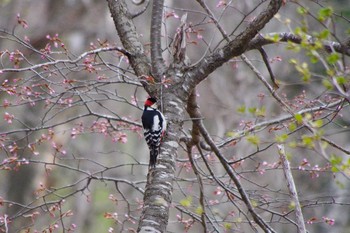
x,y
335,160
299,118
199,210
252,110
293,61
317,45
260,112
308,116
292,46
308,141
327,84
303,69
335,169
298,31
324,13
253,139
333,58
186,202
227,226
313,59
317,124
323,34
331,72
291,205
241,109
254,203
231,134
292,127
341,80
302,10
276,38
281,138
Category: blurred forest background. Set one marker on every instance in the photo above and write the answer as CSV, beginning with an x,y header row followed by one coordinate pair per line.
x,y
81,141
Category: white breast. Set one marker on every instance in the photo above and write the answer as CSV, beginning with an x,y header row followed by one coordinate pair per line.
x,y
155,126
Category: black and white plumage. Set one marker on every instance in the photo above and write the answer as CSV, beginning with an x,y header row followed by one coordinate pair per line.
x,y
154,126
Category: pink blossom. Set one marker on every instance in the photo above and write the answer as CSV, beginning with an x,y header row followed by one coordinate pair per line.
x,y
311,220
22,21
303,164
26,39
134,100
8,117
12,56
74,133
5,103
262,171
123,138
221,4
276,59
171,14
120,137
329,221
213,202
218,191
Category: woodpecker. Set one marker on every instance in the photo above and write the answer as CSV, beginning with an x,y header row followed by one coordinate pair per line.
x,y
154,126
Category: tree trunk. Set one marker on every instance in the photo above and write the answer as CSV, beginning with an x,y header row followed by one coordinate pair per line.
x,y
158,193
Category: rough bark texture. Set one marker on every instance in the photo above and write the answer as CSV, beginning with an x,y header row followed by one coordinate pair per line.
x,y
158,193
129,37
158,65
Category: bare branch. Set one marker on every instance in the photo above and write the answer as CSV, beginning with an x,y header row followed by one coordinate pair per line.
x,y
234,48
262,40
67,61
228,169
262,125
267,64
158,64
129,37
140,12
292,189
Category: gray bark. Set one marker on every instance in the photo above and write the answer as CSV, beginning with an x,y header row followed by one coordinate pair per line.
x,y
158,192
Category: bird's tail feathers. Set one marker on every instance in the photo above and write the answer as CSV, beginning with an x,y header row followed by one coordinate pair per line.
x,y
154,151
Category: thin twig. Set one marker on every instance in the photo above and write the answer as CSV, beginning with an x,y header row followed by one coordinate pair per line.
x,y
230,171
68,61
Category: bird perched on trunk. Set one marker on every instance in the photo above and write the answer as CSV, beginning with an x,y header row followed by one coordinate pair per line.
x,y
154,126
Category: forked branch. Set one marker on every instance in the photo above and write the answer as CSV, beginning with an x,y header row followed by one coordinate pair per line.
x,y
199,124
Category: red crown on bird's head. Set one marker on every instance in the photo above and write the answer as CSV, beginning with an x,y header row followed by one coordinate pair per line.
x,y
150,101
